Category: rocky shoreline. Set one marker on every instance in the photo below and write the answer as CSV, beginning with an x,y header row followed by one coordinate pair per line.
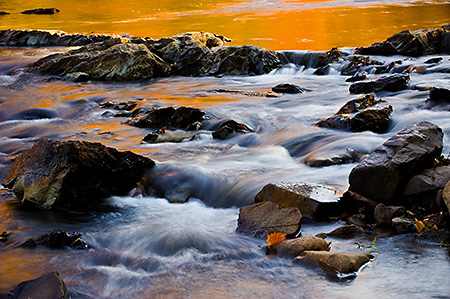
x,y
404,185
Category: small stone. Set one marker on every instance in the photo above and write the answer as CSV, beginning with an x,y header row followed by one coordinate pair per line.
x,y
403,225
346,231
287,88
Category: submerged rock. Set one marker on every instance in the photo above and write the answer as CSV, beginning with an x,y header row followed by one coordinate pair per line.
x,y
49,286
57,239
267,217
229,127
41,11
337,262
383,175
314,200
395,82
412,43
73,174
294,247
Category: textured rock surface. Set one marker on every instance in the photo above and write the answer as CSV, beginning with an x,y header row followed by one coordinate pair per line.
x,y
49,286
384,214
73,174
295,247
383,175
337,262
395,82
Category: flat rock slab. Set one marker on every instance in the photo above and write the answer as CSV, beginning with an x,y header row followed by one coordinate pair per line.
x,y
337,262
314,200
392,83
294,247
49,286
267,217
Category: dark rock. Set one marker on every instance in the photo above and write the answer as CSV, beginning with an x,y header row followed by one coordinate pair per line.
x,y
358,104
49,286
151,137
438,97
383,175
73,174
35,113
384,214
23,38
446,196
346,231
395,82
403,225
77,77
41,11
337,262
412,43
356,203
229,127
322,71
170,117
57,239
267,217
358,221
349,156
295,247
356,77
244,60
125,105
287,88
314,200
110,60
4,13
245,93
435,236
433,60
4,236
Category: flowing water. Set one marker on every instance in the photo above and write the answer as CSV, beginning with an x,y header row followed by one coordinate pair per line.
x,y
145,247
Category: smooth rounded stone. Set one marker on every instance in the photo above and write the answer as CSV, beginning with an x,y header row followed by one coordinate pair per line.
x,y
346,231
395,82
57,239
383,175
314,200
446,195
73,174
292,248
435,236
337,262
229,127
264,218
433,60
384,214
35,113
288,88
49,286
41,11
403,225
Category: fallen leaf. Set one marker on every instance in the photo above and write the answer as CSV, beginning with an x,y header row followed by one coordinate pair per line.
x,y
275,238
420,226
326,247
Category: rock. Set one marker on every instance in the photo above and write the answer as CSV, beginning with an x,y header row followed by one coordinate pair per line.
x,y
229,127
34,113
384,214
337,262
314,200
438,97
395,82
4,236
355,220
358,104
349,156
110,60
435,236
244,60
49,286
4,13
169,136
41,11
356,77
294,247
446,195
246,93
346,231
169,117
57,239
77,77
356,203
383,175
267,217
433,60
124,105
412,43
287,88
73,174
403,225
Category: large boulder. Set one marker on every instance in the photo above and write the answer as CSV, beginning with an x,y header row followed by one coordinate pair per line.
x,y
446,196
412,43
49,286
267,217
73,174
337,262
314,200
383,175
294,247
395,82
111,60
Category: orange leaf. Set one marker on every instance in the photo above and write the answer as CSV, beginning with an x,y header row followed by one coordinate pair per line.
x,y
275,238
420,226
326,247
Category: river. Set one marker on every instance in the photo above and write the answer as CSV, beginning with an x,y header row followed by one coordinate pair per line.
x,y
146,247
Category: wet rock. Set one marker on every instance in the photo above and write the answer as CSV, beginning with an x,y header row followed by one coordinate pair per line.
x,y
124,105
384,214
438,97
57,239
169,117
23,38
358,221
446,196
111,60
358,104
395,82
35,113
73,174
356,203
322,71
41,11
350,156
4,13
244,60
346,231
49,286
294,247
403,225
435,236
169,136
314,200
337,262
267,217
229,127
383,175
245,93
4,236
77,77
356,77
433,60
412,43
288,88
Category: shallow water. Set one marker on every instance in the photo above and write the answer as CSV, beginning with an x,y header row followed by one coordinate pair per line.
x,y
146,247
